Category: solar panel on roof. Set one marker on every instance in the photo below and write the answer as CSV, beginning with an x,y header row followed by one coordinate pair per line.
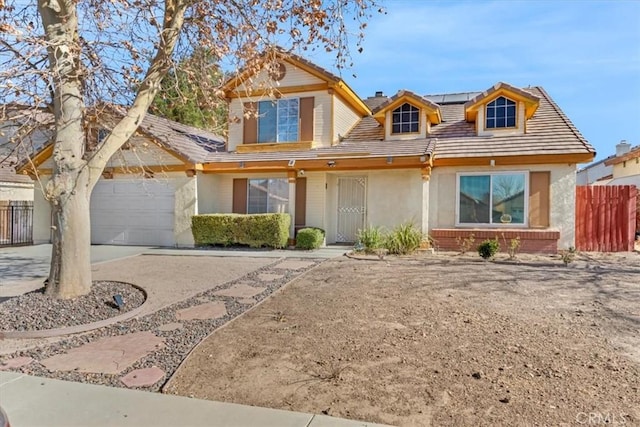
x,y
209,144
435,98
451,98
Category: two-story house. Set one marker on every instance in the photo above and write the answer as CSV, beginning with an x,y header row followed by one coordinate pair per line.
x,y
500,162
496,163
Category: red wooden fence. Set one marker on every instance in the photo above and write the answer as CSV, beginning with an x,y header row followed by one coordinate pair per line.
x,y
606,218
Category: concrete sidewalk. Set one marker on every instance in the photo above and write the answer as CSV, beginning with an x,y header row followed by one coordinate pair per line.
x,y
34,401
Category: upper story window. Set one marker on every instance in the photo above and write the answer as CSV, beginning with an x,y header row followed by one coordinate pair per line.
x,y
278,120
501,113
405,119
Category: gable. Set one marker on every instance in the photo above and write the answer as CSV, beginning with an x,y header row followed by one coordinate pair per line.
x,y
289,73
431,109
505,90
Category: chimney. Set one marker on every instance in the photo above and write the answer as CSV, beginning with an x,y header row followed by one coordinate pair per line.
x,y
379,94
622,148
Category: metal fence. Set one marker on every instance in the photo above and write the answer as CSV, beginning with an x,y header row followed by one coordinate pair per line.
x,y
16,223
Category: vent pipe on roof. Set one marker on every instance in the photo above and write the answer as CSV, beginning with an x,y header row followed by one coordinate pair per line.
x,y
379,94
622,148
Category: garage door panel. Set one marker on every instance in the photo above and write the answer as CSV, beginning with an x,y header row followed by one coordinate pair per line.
x,y
132,213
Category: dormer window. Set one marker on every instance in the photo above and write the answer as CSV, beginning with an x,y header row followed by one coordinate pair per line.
x,y
405,119
501,113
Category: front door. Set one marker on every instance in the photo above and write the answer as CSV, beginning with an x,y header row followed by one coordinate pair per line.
x,y
352,204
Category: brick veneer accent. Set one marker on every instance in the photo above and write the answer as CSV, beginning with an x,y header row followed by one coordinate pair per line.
x,y
531,241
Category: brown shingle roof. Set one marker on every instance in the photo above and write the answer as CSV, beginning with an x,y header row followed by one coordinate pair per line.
x,y
549,131
374,101
191,143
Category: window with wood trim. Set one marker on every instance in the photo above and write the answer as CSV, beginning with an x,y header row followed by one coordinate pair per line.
x,y
282,120
501,113
278,120
268,195
499,198
405,119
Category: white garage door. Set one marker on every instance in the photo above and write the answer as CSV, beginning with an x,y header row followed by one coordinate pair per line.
x,y
132,212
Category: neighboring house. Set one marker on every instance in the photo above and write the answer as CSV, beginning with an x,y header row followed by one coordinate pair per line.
x,y
13,187
601,172
495,163
625,165
148,192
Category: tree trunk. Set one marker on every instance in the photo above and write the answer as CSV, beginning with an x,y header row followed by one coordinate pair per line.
x,y
73,177
70,186
70,273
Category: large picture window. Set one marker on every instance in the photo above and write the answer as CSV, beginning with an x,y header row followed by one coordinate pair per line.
x,y
278,120
268,196
405,119
498,198
501,113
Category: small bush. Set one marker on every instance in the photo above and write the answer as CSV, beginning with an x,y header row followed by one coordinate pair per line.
x,y
370,239
404,239
513,246
489,248
465,245
309,238
568,255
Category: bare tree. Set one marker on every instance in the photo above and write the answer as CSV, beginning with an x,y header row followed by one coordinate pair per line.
x,y
78,60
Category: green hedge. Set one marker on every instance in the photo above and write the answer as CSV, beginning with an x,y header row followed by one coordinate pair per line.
x,y
309,238
255,230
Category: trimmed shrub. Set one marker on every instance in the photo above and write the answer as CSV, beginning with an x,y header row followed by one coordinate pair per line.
x,y
370,239
254,230
489,248
309,238
404,239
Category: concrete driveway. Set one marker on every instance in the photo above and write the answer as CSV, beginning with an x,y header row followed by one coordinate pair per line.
x,y
30,263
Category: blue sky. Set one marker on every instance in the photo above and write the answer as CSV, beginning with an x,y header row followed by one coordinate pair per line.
x,y
586,54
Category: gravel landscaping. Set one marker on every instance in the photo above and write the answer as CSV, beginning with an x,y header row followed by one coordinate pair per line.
x,y
180,336
36,311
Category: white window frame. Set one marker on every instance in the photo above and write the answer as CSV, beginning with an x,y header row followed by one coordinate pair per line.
x,y
410,122
269,180
277,124
525,223
515,116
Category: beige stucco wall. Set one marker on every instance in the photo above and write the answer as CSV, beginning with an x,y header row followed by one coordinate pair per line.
x,y
316,200
41,214
185,206
393,197
16,191
442,199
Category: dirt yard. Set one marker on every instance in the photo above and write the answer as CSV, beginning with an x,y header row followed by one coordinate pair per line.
x,y
442,340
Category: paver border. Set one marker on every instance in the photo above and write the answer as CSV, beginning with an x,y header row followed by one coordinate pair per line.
x,y
56,332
